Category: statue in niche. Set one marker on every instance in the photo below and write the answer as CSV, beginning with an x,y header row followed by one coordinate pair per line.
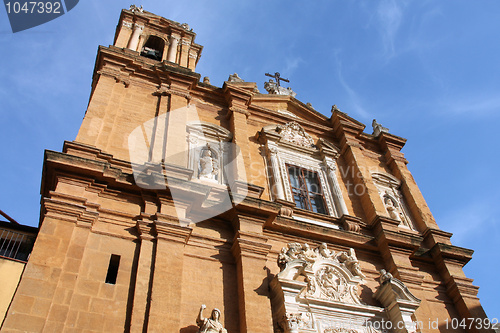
x,y
212,324
351,262
209,168
394,210
391,208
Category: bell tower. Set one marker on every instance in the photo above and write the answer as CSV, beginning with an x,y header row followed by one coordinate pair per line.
x,y
157,38
148,71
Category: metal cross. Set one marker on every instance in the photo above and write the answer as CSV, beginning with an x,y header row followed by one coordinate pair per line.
x,y
277,77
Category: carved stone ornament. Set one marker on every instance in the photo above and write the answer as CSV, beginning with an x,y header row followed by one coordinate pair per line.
x,y
272,88
399,302
235,78
322,284
294,133
134,8
378,128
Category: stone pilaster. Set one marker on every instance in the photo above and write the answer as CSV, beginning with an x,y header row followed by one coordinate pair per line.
x,y
250,251
142,291
167,286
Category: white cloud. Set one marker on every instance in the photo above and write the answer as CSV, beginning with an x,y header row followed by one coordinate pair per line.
x,y
389,14
356,106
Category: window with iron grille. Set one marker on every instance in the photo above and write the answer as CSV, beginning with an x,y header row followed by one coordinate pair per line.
x,y
15,245
306,189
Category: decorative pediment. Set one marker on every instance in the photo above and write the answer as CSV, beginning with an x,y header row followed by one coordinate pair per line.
x,y
323,285
329,275
294,133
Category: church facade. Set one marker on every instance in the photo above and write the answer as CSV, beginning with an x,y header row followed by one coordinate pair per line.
x,y
186,207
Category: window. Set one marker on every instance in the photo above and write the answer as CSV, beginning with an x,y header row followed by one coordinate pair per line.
x,y
306,189
114,263
302,171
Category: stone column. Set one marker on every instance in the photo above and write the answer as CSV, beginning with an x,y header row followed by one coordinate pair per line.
x,y
331,168
134,39
172,51
277,189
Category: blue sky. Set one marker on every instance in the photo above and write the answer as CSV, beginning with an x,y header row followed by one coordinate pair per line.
x,y
427,70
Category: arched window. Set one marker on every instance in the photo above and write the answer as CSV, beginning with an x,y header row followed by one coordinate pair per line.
x,y
153,48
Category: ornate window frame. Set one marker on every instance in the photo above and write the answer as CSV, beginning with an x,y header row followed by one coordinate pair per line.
x,y
290,144
202,136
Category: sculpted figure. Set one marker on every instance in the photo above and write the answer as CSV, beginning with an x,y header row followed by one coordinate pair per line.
x,y
208,166
351,262
324,252
307,253
384,276
392,209
212,324
283,258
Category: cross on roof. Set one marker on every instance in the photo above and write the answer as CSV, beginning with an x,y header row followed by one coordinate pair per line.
x,y
277,77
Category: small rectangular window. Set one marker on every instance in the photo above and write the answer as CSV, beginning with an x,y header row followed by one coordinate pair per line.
x,y
306,189
114,263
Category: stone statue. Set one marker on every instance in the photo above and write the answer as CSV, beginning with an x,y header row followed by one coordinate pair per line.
x,y
235,78
274,89
208,166
212,324
351,263
324,252
206,80
384,276
134,8
378,128
392,209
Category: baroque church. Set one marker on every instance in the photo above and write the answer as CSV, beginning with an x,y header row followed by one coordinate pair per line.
x,y
186,207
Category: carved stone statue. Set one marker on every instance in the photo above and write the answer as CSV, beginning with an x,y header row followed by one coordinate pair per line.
x,y
206,80
378,128
392,209
235,78
384,276
209,167
324,252
212,324
134,8
274,89
351,262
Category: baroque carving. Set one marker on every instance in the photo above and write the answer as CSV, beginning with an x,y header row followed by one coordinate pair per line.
x,y
326,272
235,78
324,284
294,321
274,89
378,128
134,9
294,133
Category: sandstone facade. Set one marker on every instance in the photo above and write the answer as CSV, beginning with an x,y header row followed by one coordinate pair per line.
x,y
131,198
